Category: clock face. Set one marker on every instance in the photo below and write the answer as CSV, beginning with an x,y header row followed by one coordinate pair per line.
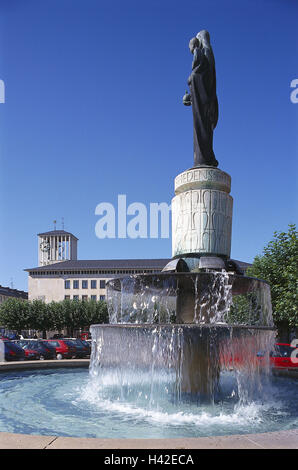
x,y
45,246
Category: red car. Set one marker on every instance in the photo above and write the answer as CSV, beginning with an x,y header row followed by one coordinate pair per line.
x,y
64,349
30,353
284,355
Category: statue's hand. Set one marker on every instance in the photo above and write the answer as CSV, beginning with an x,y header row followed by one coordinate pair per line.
x,y
187,99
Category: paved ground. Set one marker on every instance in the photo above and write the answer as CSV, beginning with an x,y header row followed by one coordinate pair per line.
x,y
271,440
274,440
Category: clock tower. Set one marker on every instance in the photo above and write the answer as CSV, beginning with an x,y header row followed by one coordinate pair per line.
x,y
56,246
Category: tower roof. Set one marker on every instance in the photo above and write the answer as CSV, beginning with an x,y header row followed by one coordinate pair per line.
x,y
56,232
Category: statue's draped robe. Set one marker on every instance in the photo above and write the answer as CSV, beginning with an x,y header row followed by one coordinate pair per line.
x,y
202,84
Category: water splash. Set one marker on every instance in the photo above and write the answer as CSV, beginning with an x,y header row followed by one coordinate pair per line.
x,y
201,298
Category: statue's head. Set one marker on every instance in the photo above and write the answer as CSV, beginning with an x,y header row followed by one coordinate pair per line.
x,y
204,37
193,44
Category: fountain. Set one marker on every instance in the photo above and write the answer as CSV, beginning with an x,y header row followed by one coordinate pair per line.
x,y
179,357
201,317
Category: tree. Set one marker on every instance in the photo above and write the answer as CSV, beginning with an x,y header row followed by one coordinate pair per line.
x,y
40,317
279,267
18,315
15,314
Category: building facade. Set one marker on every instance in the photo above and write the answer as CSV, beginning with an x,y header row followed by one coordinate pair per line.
x,y
8,293
60,275
84,279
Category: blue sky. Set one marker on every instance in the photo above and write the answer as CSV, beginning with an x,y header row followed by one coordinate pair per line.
x,y
94,109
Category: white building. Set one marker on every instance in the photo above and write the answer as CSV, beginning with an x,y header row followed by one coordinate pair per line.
x,y
60,275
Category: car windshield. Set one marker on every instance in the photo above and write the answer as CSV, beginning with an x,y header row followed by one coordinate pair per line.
x,y
74,343
70,342
47,345
54,344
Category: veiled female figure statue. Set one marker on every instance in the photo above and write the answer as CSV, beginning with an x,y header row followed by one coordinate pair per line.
x,y
203,99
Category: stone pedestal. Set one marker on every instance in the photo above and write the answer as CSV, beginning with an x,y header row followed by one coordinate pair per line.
x,y
202,213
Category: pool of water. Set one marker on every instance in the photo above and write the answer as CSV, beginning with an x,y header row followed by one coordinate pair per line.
x,y
68,402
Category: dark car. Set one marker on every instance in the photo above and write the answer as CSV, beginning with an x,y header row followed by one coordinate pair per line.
x,y
13,352
63,350
81,349
45,350
30,353
87,344
36,349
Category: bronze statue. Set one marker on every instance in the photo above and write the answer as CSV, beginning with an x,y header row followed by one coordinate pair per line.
x,y
203,99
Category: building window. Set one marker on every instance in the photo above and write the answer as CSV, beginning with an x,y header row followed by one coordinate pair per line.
x,y
75,284
75,297
93,297
102,297
102,284
84,297
84,284
93,284
67,297
66,284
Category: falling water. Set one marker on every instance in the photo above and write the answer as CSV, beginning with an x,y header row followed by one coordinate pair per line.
x,y
179,336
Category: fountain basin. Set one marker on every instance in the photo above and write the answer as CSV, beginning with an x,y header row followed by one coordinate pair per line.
x,y
195,355
73,403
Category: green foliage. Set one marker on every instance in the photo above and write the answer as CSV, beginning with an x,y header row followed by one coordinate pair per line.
x,y
245,310
39,318
279,266
16,314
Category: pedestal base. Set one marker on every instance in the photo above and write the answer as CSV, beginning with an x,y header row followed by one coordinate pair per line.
x,y
202,213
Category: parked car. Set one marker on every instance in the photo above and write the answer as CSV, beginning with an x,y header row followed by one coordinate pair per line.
x,y
13,352
63,349
87,344
30,354
280,357
82,351
44,351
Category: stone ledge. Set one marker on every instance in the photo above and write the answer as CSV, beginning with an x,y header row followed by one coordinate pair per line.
x,y
270,440
47,364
